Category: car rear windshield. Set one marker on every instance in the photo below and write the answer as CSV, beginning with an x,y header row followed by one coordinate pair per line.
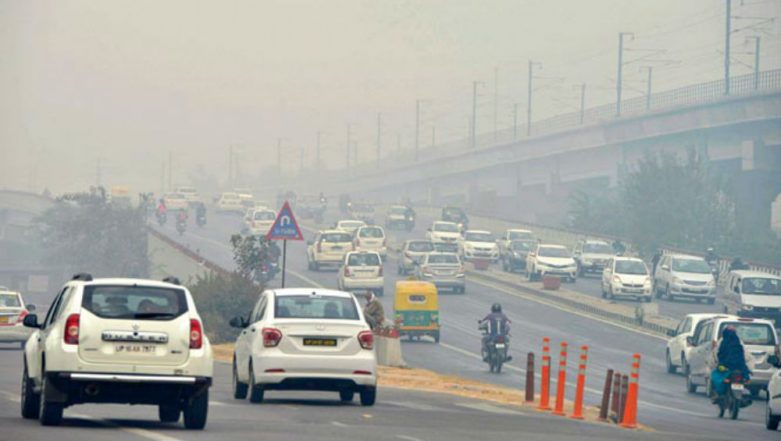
x,y
265,215
360,259
479,237
553,252
315,307
442,258
630,267
371,232
759,334
420,247
10,301
761,286
134,302
691,266
447,228
597,248
336,238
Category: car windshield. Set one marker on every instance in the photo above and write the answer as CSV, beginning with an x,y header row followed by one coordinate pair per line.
x,y
520,246
265,215
479,237
397,210
761,286
371,232
134,302
446,228
597,248
10,301
442,258
363,259
553,252
351,224
520,235
420,247
315,307
336,238
696,266
631,267
759,334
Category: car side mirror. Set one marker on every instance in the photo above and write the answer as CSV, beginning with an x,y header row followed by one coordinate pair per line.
x,y
774,361
30,308
31,321
689,341
236,322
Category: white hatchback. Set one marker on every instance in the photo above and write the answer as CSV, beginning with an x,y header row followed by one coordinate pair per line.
x,y
371,238
361,270
305,339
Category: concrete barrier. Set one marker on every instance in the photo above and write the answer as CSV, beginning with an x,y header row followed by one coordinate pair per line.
x,y
388,350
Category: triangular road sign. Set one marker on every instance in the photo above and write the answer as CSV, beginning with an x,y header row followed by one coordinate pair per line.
x,y
285,226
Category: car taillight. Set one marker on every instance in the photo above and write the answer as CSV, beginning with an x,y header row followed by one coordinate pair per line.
x,y
319,247
271,337
366,339
196,334
22,315
71,336
347,271
380,274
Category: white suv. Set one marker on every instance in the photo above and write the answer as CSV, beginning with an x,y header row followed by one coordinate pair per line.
x,y
444,235
479,244
361,270
305,339
684,276
127,341
551,259
328,248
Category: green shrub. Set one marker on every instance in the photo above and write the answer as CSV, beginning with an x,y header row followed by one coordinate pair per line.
x,y
220,298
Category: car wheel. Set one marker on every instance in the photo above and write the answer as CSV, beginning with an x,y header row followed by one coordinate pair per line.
x,y
667,294
610,295
256,391
648,299
657,293
316,266
530,274
690,386
30,400
346,396
196,411
239,388
368,396
671,368
771,421
21,345
168,414
436,337
50,414
711,301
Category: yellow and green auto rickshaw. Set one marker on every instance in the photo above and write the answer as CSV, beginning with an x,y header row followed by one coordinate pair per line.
x,y
417,309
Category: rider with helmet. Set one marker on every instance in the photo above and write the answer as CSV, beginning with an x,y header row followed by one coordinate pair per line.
x,y
496,324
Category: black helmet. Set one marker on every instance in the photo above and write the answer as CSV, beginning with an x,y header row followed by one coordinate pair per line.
x,y
496,307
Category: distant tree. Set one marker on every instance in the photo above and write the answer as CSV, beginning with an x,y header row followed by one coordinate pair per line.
x,y
595,212
221,297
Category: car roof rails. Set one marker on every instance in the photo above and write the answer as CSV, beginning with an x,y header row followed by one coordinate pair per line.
x,y
86,277
172,280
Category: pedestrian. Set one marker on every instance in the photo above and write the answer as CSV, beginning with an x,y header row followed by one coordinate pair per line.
x,y
374,312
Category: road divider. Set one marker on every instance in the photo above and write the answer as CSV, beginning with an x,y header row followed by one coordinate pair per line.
x,y
545,376
577,411
561,382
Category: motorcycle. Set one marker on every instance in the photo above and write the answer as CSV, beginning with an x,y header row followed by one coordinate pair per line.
x,y
181,226
201,221
734,396
495,349
161,218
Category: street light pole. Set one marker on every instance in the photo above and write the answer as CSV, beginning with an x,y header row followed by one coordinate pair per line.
x,y
529,98
648,87
417,128
756,39
619,76
727,33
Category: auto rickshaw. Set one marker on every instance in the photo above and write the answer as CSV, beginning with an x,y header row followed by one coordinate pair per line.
x,y
417,309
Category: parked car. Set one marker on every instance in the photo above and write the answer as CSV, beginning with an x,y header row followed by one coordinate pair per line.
x,y
444,235
758,336
753,294
305,339
126,341
626,277
479,244
12,313
592,256
677,349
551,259
371,238
361,270
444,270
514,255
682,276
411,252
230,202
328,249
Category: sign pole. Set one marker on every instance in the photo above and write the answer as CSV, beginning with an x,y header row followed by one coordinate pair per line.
x,y
285,228
284,259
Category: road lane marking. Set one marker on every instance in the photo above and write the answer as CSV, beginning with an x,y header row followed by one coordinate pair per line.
x,y
11,396
490,408
143,433
413,405
408,438
338,424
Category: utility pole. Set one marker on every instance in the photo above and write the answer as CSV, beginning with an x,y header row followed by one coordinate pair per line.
x,y
170,170
582,102
756,39
417,128
379,138
279,156
727,33
474,114
496,102
515,121
648,87
317,152
347,147
529,97
619,76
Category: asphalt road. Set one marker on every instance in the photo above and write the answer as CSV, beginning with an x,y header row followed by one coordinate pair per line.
x,y
664,404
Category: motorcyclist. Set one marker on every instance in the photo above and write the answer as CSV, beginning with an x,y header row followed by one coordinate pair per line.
x,y
182,216
161,208
496,324
738,264
711,257
731,356
200,211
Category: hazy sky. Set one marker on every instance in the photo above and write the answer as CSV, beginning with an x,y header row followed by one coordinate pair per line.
x,y
130,81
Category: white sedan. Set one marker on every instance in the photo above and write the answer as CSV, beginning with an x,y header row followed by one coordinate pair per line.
x,y
305,339
361,270
12,313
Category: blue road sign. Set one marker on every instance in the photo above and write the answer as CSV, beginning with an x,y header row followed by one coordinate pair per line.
x,y
285,226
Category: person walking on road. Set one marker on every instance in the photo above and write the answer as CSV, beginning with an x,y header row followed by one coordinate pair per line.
x,y
374,312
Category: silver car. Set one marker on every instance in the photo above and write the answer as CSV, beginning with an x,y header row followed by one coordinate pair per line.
x,y
12,313
412,252
444,270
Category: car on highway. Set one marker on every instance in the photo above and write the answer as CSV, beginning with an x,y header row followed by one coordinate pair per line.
x,y
349,225
124,341
514,255
259,221
457,216
12,313
230,202
444,270
677,351
411,252
753,294
444,235
683,276
363,211
328,249
773,408
592,256
479,244
626,277
758,337
513,234
189,193
371,238
175,201
305,339
397,216
361,270
551,259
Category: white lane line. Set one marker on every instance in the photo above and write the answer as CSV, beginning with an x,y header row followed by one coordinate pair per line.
x,y
218,403
11,396
143,433
408,438
338,424
413,406
485,407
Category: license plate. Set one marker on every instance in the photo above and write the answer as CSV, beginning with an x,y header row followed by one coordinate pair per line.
x,y
4,319
320,342
500,346
135,349
737,387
